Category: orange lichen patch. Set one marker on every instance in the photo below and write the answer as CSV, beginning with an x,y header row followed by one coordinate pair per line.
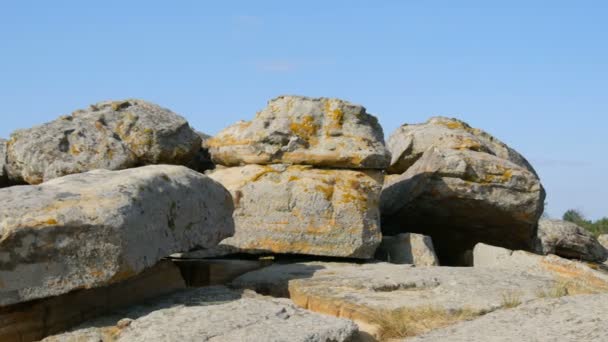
x,y
43,223
264,170
469,144
74,150
327,190
122,275
306,128
498,175
281,246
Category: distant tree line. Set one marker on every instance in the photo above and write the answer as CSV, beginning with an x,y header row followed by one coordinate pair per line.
x,y
595,227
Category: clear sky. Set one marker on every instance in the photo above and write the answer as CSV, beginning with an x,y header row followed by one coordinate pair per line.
x,y
532,73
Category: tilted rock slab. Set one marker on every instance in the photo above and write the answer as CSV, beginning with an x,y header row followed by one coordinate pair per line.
x,y
568,240
100,227
566,319
108,135
603,240
303,130
214,314
462,197
362,291
409,142
408,248
302,210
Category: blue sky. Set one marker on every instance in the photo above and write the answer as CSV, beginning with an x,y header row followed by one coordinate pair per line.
x,y
532,73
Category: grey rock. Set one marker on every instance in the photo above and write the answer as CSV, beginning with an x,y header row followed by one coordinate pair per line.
x,y
362,292
566,319
214,314
108,135
568,240
462,197
302,210
409,142
408,248
303,130
201,161
96,228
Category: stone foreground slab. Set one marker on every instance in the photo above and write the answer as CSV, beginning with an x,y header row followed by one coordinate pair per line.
x,y
214,314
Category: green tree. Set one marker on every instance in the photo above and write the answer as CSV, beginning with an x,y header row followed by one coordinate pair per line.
x,y
596,228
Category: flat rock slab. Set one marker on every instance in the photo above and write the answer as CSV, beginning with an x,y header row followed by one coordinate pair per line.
x,y
214,314
110,135
101,227
302,210
307,131
566,319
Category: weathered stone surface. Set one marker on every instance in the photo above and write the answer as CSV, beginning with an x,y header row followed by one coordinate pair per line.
x,y
302,130
363,291
408,248
576,277
107,135
214,314
603,240
302,210
3,174
409,142
34,320
100,227
566,319
462,197
568,240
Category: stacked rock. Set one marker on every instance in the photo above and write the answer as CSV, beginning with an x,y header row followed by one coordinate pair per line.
x,y
305,175
461,186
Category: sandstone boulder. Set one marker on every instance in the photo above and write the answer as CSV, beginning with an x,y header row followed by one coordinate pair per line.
x,y
408,248
462,197
100,227
416,298
303,210
409,142
301,130
107,135
566,319
213,314
568,240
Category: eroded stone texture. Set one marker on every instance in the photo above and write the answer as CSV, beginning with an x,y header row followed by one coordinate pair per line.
x,y
409,142
568,240
603,240
566,319
101,227
361,291
214,314
462,197
302,130
303,210
108,135
408,248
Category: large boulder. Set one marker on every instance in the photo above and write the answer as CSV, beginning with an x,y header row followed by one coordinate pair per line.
x,y
301,130
108,135
96,228
214,314
568,240
409,142
303,210
407,248
566,319
462,197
